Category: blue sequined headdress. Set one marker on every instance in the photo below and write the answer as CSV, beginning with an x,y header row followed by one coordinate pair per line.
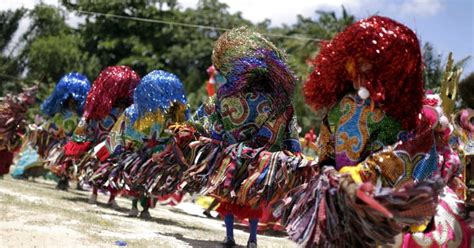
x,y
73,86
132,113
156,94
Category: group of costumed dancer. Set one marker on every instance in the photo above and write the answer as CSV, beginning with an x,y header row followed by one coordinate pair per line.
x,y
391,159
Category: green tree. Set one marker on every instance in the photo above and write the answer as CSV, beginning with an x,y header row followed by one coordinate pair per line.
x,y
321,27
51,49
50,57
9,63
145,46
433,70
190,54
110,34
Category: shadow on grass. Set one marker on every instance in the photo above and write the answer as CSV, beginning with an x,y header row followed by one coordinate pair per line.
x,y
126,210
237,225
51,186
175,223
197,242
162,221
180,211
100,204
268,232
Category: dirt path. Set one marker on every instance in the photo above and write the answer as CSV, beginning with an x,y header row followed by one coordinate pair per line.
x,y
34,214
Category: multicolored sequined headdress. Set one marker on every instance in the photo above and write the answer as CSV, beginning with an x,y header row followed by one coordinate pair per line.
x,y
378,57
114,85
250,62
159,93
73,86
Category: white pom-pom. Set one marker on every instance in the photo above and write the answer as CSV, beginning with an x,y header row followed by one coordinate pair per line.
x,y
439,110
363,93
444,121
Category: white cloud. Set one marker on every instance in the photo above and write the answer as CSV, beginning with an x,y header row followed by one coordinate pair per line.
x,y
423,8
28,4
278,11
24,23
284,11
402,8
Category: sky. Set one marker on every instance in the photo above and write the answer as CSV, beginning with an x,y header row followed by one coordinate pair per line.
x,y
447,24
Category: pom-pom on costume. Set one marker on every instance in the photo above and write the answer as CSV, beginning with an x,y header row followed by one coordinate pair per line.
x,y
110,94
462,139
448,226
251,113
465,130
378,55
464,142
159,102
369,79
13,110
63,109
239,151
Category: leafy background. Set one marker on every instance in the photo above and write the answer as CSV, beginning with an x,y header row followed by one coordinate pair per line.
x,y
50,48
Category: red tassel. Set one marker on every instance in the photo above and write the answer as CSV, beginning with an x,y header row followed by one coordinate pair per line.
x,y
170,199
239,211
103,154
75,149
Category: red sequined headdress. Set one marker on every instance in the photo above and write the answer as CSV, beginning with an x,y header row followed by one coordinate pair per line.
x,y
114,85
378,54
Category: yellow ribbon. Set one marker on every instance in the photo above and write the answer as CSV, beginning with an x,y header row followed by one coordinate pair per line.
x,y
353,171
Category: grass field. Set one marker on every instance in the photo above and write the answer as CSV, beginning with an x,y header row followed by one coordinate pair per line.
x,y
35,214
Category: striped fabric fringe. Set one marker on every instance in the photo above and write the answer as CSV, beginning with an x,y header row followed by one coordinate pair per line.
x,y
334,211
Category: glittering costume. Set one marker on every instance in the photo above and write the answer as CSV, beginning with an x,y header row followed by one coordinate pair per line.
x,y
13,124
240,151
465,130
110,94
62,109
159,102
378,169
448,228
464,139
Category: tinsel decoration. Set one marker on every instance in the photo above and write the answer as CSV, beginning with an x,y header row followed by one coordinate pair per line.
x,y
378,54
73,86
114,86
159,100
132,113
249,61
155,96
333,211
